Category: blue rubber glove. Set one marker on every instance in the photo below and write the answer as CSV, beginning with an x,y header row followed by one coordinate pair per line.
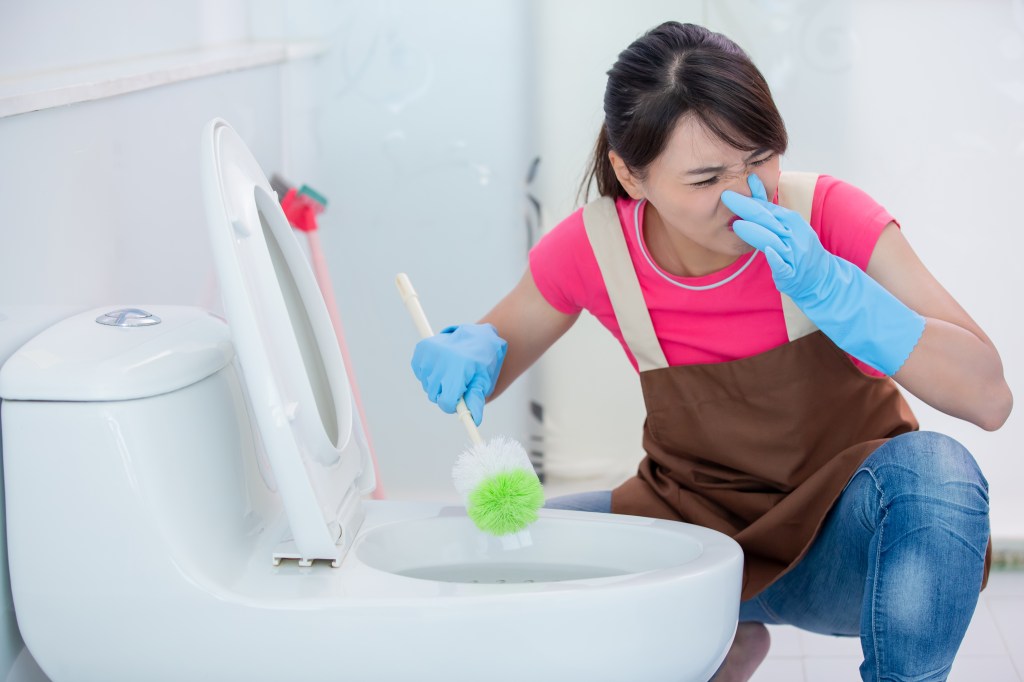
x,y
852,309
461,362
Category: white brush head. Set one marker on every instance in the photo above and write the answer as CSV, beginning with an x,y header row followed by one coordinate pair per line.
x,y
487,459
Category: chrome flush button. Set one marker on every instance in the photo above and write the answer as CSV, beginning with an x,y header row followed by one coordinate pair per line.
x,y
128,317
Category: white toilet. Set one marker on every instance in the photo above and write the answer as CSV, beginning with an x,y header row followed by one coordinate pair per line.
x,y
185,501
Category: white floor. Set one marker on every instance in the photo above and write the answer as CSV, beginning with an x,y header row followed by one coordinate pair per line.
x,y
992,651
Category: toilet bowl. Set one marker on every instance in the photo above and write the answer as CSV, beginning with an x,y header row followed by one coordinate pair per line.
x,y
186,500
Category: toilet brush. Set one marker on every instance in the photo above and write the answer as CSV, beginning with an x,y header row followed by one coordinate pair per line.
x,y
495,478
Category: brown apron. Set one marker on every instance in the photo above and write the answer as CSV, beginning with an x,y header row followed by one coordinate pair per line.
x,y
758,448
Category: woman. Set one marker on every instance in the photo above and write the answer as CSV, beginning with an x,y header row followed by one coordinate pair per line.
x,y
770,316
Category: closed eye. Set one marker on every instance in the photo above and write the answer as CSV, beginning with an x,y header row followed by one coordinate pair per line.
x,y
705,183
712,180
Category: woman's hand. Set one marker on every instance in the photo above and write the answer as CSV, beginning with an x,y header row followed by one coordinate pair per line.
x,y
477,361
800,264
856,312
460,362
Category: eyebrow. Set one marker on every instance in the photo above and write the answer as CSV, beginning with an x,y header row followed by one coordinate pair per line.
x,y
719,169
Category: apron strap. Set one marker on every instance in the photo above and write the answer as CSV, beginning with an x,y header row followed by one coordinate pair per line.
x,y
601,221
796,192
604,230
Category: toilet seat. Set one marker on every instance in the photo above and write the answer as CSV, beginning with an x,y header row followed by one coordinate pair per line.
x,y
299,392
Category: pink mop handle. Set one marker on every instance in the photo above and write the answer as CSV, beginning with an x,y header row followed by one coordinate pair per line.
x,y
323,279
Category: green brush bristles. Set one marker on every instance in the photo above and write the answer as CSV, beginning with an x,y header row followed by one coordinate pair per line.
x,y
506,502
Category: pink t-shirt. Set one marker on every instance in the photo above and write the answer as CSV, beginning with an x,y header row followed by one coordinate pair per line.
x,y
736,320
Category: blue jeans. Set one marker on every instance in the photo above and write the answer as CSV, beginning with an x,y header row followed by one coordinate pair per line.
x,y
898,562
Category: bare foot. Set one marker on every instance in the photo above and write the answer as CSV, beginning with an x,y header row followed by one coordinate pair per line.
x,y
749,648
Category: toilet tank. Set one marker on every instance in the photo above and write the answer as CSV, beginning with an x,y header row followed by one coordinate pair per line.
x,y
18,324
118,431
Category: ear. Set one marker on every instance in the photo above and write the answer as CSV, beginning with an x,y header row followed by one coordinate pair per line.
x,y
626,178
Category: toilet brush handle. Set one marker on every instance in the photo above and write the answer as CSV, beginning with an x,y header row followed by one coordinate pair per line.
x,y
412,304
419,318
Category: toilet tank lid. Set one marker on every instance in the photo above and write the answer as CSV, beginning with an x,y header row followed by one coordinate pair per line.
x,y
81,360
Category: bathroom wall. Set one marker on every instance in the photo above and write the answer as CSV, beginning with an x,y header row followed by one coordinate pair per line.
x,y
420,117
421,151
420,122
101,198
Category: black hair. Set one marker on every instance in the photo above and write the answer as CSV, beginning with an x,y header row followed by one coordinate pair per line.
x,y
672,71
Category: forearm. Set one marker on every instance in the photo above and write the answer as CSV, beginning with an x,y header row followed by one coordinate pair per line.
x,y
896,316
516,362
948,366
955,371
529,324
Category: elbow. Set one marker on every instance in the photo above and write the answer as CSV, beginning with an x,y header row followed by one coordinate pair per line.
x,y
997,409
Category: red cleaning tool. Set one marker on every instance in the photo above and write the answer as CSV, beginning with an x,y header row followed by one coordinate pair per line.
x,y
302,206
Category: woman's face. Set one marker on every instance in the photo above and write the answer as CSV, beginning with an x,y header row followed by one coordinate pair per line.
x,y
684,186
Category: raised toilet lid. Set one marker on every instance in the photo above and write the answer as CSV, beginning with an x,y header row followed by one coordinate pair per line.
x,y
289,355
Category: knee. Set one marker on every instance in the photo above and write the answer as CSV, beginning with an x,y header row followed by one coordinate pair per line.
x,y
932,490
927,465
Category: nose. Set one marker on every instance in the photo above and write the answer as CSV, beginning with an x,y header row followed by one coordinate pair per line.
x,y
738,183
